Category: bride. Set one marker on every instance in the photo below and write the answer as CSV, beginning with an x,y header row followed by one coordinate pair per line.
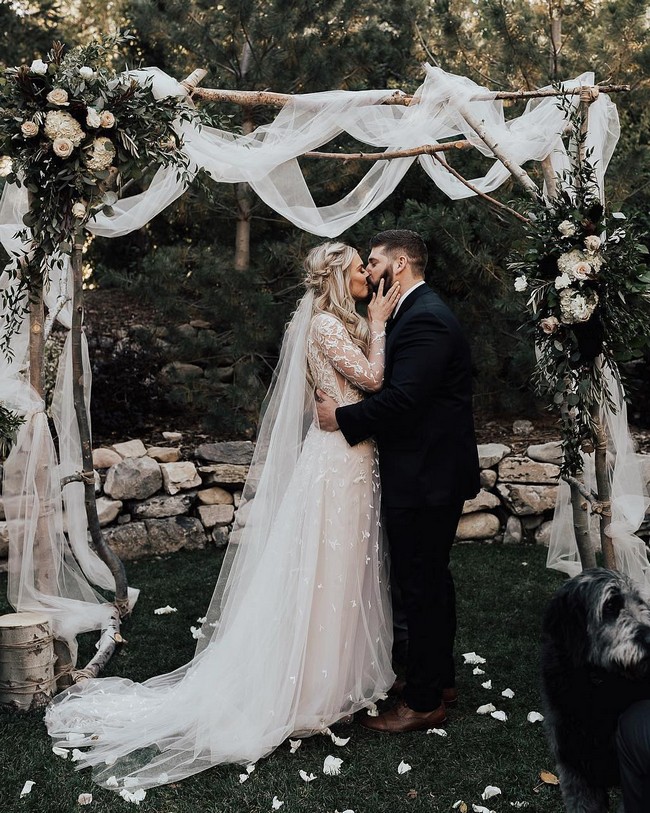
x,y
298,633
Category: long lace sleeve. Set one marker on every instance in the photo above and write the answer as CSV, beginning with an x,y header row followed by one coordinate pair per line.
x,y
348,359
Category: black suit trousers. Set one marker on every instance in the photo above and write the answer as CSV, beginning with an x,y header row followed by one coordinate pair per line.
x,y
633,745
420,540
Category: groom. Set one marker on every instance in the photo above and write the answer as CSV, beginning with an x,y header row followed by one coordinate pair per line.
x,y
422,421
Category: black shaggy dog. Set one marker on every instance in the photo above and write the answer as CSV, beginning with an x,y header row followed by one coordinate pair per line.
x,y
595,663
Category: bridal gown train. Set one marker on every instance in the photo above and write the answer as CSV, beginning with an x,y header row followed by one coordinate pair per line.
x,y
303,640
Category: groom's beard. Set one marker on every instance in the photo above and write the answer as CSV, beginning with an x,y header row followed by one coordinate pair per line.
x,y
388,278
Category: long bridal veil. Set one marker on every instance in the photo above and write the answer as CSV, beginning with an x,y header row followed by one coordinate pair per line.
x,y
298,631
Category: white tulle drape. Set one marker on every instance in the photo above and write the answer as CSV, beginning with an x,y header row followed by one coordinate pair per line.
x,y
268,160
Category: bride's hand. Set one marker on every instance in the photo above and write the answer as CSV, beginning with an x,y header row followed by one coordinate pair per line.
x,y
381,306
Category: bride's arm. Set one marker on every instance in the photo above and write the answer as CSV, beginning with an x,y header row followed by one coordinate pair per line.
x,y
367,373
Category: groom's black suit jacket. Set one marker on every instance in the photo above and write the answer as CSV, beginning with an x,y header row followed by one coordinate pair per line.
x,y
422,418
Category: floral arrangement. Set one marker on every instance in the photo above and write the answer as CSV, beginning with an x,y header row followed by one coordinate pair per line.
x,y
585,278
76,133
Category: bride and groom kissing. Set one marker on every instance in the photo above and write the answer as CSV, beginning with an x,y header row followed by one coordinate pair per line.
x,y
366,443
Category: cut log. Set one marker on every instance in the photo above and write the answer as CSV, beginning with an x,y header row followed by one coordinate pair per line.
x,y
26,661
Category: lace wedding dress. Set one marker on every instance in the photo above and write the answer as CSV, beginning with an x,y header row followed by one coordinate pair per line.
x,y
301,634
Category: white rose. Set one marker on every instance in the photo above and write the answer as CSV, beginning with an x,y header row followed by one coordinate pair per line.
x,y
563,281
549,325
92,118
79,210
59,97
592,243
38,67
6,166
521,283
29,129
86,72
567,228
107,119
62,147
581,270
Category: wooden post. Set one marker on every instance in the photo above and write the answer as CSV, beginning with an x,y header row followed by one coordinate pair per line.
x,y
602,486
243,200
88,475
26,661
580,507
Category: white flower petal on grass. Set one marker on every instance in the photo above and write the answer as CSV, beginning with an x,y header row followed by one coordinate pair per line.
x,y
490,791
332,766
403,767
481,809
534,717
488,708
294,745
27,788
372,710
202,620
519,805
487,684
250,768
136,796
457,804
472,657
243,777
439,731
306,777
167,610
60,752
111,782
508,693
276,804
76,755
499,715
196,633
84,799
525,564
339,740
344,811
478,671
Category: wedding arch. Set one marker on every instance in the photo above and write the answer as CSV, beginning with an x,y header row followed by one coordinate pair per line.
x,y
71,131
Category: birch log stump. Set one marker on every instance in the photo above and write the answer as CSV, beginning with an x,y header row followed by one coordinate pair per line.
x,y
26,661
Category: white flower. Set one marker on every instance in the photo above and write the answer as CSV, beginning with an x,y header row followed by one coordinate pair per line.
x,y
60,124
29,129
84,798
100,154
276,804
439,731
577,306
487,684
508,693
567,228
86,72
111,782
488,708
27,788
250,768
472,657
196,633
519,805
136,797
107,119
92,118
478,671
165,610
499,715
59,97
60,752
79,210
403,767
592,243
481,809
243,777
6,166
372,710
563,281
581,270
521,283
534,717
489,792
38,67
306,777
567,260
332,766
339,740
294,745
549,325
62,147
76,755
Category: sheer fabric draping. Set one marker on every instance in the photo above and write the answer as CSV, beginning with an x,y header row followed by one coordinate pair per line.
x,y
268,160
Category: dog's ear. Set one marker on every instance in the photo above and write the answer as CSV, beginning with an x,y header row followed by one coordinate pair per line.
x,y
564,626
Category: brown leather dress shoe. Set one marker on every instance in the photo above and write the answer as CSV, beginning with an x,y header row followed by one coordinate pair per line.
x,y
449,695
402,718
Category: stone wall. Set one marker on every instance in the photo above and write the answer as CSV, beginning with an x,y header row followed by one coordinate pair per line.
x,y
150,501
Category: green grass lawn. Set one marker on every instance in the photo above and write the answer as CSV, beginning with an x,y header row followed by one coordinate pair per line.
x,y
501,595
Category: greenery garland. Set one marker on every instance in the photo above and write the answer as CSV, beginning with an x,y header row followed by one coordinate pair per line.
x,y
585,277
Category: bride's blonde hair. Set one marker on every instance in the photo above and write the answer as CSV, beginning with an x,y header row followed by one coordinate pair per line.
x,y
326,269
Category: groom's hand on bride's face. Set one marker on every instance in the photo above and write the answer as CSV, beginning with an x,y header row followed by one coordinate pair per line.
x,y
326,411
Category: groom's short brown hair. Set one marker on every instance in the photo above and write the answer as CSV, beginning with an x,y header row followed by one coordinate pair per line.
x,y
407,241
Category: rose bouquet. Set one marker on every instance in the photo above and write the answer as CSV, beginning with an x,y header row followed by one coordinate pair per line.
x,y
585,278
